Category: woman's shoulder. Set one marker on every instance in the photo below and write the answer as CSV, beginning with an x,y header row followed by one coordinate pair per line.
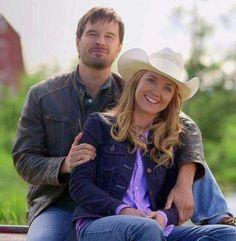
x,y
101,119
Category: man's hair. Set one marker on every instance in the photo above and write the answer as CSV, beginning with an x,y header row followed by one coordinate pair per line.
x,y
165,128
97,14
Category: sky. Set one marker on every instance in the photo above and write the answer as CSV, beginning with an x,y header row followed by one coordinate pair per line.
x,y
47,27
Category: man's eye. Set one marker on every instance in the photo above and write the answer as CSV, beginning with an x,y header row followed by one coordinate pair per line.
x,y
92,34
109,37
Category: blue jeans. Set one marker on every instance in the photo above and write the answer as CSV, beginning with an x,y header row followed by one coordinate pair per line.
x,y
53,224
208,198
203,233
126,228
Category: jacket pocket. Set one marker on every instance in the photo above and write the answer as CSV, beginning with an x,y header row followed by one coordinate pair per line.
x,y
112,161
60,133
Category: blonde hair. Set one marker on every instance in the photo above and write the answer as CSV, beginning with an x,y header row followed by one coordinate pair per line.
x,y
165,128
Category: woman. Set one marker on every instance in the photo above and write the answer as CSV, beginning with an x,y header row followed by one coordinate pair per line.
x,y
121,194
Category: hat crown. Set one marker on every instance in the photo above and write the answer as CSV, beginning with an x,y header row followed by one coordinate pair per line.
x,y
168,62
165,62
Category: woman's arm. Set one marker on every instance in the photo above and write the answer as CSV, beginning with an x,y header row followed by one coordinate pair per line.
x,y
82,181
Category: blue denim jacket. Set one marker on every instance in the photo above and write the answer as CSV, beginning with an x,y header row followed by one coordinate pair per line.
x,y
99,185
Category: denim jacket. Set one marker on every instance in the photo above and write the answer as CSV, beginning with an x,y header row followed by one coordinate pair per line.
x,y
51,118
98,186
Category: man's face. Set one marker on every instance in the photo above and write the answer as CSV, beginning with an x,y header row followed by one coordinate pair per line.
x,y
99,44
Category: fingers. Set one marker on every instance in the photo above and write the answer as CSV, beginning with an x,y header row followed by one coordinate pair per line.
x,y
142,214
158,217
151,215
169,201
83,151
77,139
182,218
132,212
185,214
78,154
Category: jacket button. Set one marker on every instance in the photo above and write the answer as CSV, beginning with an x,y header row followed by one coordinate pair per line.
x,y
112,148
149,170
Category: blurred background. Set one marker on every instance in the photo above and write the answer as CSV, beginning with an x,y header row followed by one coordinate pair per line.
x,y
37,40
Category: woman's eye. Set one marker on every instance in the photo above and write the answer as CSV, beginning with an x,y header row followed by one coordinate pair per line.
x,y
167,88
152,81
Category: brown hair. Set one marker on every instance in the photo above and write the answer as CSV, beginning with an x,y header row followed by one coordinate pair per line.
x,y
96,14
165,129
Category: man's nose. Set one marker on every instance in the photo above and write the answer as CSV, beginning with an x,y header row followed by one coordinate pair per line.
x,y
100,39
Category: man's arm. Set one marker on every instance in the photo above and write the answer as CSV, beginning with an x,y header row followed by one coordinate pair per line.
x,y
182,194
29,151
190,160
30,154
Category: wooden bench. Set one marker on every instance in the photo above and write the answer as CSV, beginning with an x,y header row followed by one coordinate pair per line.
x,y
13,233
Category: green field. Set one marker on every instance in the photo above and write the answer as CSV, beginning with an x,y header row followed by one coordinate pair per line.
x,y
13,193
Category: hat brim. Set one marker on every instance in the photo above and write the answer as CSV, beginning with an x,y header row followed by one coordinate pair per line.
x,y
135,60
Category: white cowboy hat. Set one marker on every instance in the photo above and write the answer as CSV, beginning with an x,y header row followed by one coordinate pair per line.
x,y
165,62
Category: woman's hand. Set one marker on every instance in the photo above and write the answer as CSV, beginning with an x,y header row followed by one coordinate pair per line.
x,y
132,212
158,217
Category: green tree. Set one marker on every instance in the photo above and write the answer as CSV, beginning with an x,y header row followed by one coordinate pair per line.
x,y
213,108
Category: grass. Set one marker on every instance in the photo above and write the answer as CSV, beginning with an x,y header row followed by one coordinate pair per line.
x,y
13,193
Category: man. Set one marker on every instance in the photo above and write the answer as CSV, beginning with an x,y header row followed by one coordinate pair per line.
x,y
53,115
47,143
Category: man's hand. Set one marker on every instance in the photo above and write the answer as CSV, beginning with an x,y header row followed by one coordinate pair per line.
x,y
158,217
132,212
78,154
181,195
183,200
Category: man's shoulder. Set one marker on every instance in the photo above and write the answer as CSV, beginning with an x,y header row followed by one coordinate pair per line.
x,y
188,123
118,81
52,84
186,120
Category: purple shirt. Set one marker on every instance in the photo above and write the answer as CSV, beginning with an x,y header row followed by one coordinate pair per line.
x,y
137,194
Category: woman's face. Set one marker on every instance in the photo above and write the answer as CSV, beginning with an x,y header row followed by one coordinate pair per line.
x,y
153,94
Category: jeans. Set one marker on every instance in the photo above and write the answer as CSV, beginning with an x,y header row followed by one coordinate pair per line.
x,y
203,233
53,224
209,201
121,228
127,228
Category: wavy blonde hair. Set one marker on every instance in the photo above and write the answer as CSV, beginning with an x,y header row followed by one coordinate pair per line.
x,y
165,128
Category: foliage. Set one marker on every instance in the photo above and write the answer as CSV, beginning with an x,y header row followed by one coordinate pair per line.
x,y
213,108
13,189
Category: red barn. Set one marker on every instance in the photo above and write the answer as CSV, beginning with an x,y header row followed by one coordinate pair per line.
x,y
11,60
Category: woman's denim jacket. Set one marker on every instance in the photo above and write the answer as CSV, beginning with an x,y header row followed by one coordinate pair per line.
x,y
99,185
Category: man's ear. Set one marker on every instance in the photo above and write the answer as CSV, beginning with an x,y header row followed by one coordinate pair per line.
x,y
119,49
77,43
